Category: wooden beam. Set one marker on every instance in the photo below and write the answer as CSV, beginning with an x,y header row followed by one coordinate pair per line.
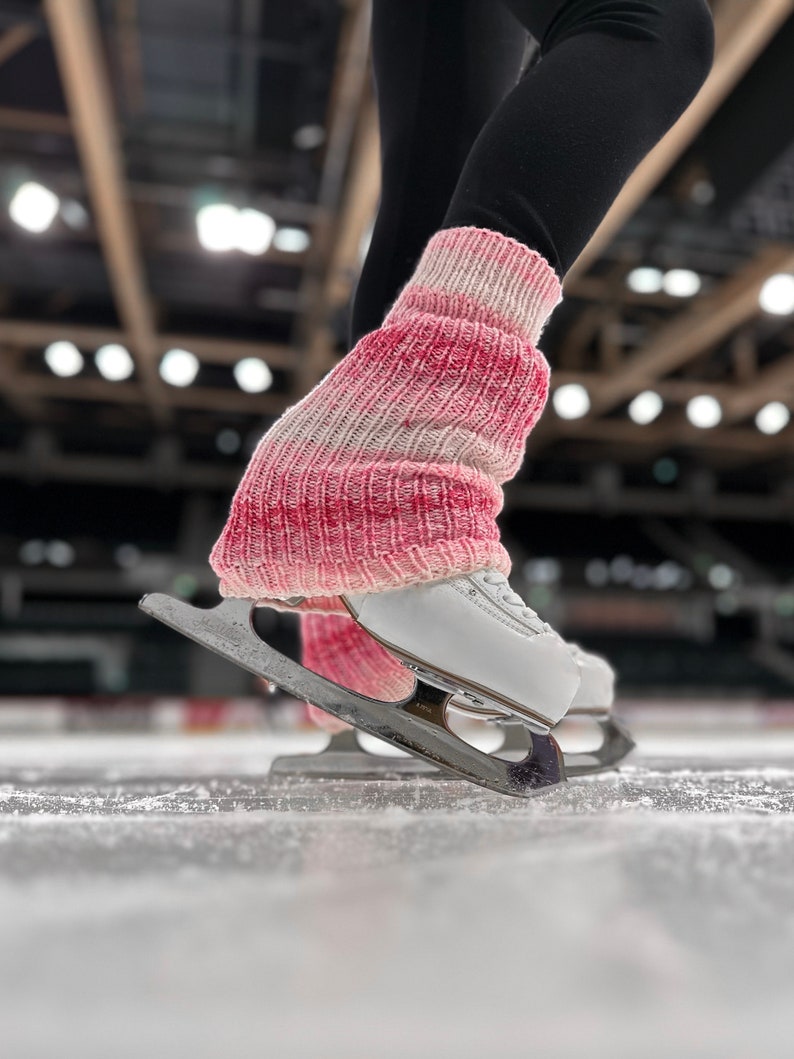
x,y
23,403
78,49
670,433
28,334
15,39
358,209
210,399
673,391
772,383
707,322
347,98
130,57
742,32
22,120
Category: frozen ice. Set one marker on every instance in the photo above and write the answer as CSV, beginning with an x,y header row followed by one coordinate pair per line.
x,y
159,896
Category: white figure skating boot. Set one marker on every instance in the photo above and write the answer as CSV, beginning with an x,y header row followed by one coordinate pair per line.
x,y
452,634
477,639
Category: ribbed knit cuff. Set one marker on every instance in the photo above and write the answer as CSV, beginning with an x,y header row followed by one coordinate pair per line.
x,y
483,277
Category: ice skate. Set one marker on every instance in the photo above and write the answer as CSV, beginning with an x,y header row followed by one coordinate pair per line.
x,y
383,484
417,724
344,757
594,700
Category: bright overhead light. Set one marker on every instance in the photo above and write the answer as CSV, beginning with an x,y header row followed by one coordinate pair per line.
x,y
255,231
681,283
704,411
772,418
34,207
179,367
291,240
217,226
721,576
645,280
308,137
114,362
222,227
60,553
253,375
571,401
777,295
32,553
64,359
645,407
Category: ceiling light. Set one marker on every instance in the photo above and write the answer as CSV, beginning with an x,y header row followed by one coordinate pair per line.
x,y
681,283
292,240
254,231
34,207
721,576
596,573
127,556
772,418
63,359
60,553
645,407
32,553
114,362
777,295
253,375
703,192
645,280
571,401
704,411
308,137
228,441
74,214
665,470
621,568
179,367
218,227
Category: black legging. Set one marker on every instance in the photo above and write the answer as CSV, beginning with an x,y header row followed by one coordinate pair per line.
x,y
465,142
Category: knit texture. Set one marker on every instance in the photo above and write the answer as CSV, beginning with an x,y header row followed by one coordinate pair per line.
x,y
388,472
338,649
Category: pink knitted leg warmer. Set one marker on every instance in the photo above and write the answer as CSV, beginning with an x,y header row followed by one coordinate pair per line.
x,y
336,648
388,473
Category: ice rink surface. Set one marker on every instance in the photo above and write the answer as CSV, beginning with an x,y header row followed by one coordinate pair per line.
x,y
160,897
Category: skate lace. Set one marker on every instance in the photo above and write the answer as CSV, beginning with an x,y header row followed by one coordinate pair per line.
x,y
498,580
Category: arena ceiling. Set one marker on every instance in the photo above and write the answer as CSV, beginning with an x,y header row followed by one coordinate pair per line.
x,y
136,113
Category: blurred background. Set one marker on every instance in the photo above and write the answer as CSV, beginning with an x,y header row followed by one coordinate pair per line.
x,y
186,193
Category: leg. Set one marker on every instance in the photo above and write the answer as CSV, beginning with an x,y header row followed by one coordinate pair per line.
x,y
613,78
387,476
545,166
441,70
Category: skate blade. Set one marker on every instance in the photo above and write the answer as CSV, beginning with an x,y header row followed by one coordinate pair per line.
x,y
416,724
345,759
616,744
